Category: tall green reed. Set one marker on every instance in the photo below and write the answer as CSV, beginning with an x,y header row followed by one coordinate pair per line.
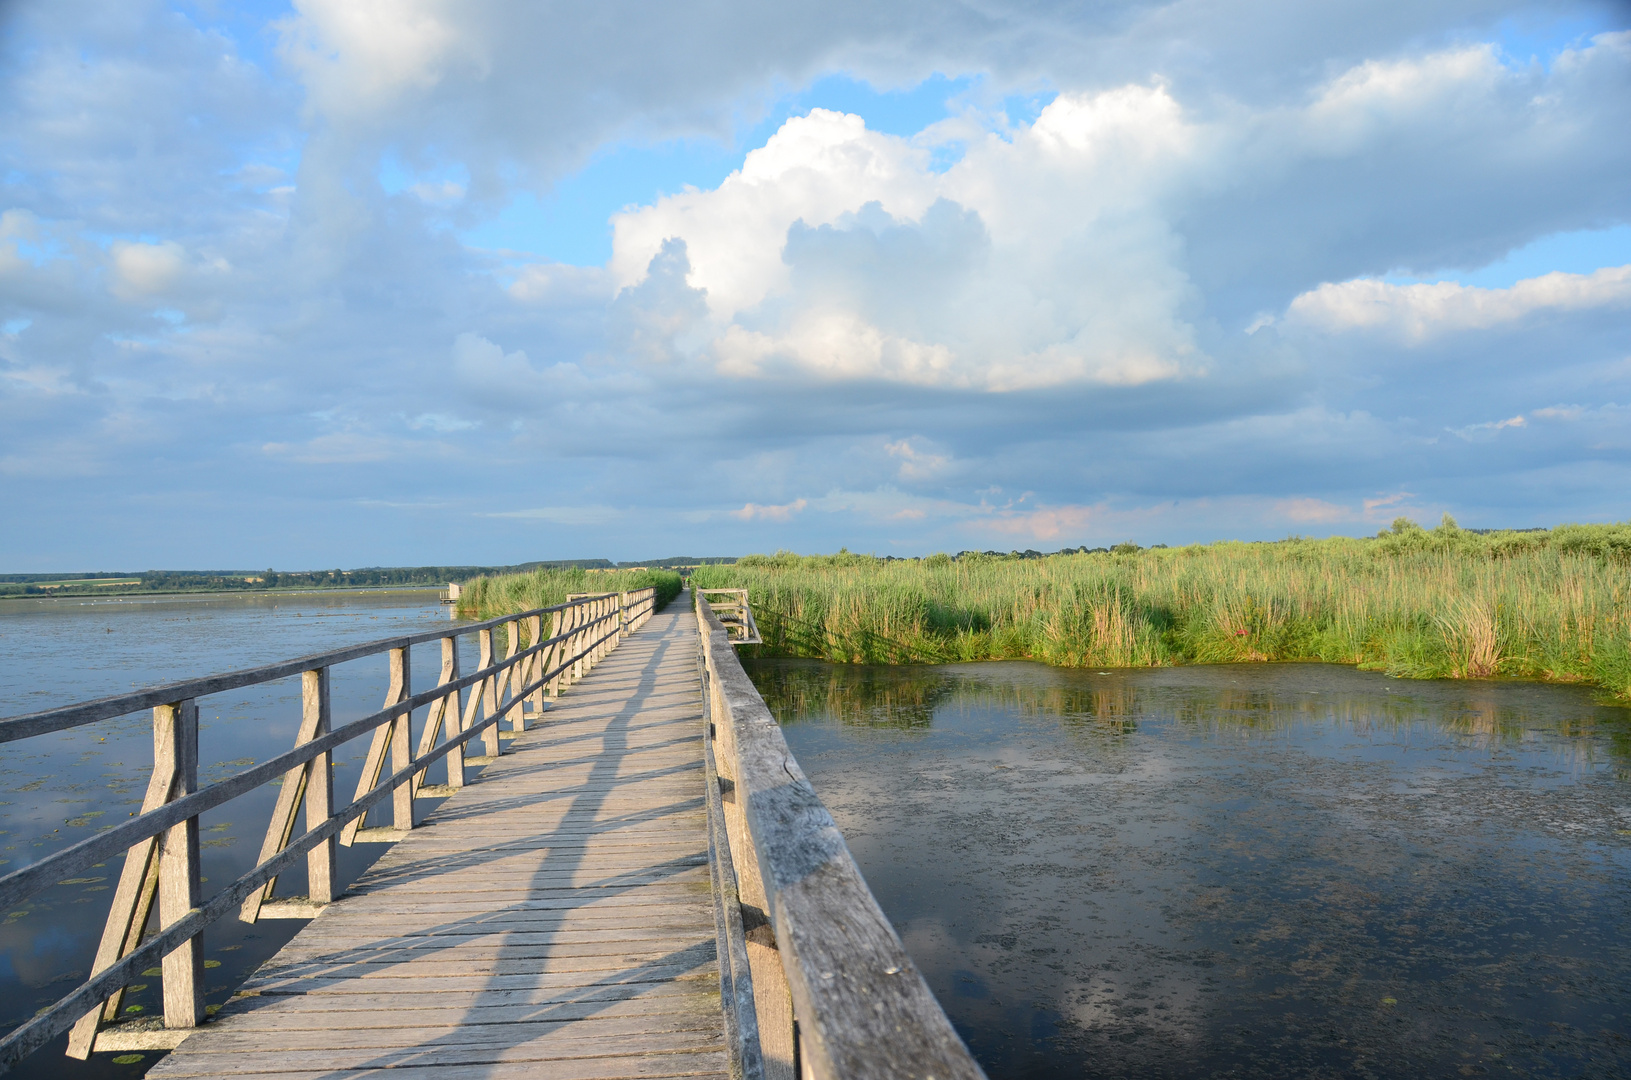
x,y
504,594
1418,603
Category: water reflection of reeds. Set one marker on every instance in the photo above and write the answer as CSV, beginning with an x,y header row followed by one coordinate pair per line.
x,y
1210,702
901,698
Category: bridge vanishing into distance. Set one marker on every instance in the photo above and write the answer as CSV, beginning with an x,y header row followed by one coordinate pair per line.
x,y
640,882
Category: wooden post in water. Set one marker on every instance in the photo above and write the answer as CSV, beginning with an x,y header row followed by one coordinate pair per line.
x,y
175,738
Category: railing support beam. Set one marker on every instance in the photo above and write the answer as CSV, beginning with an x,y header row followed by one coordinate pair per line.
x,y
175,737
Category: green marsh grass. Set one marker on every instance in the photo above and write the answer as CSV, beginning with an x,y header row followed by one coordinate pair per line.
x,y
1416,603
503,594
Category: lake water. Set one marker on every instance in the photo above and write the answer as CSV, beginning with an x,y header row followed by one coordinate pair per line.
x,y
56,789
1273,870
1285,870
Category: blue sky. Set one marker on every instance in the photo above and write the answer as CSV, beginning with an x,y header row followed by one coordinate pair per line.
x,y
332,284
571,221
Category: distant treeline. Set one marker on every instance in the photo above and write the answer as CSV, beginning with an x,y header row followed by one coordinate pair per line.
x,y
112,583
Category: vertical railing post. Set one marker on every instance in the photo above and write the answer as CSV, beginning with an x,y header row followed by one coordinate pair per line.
x,y
489,693
511,683
445,713
604,629
536,669
393,734
175,736
401,738
320,860
591,612
557,627
138,886
577,641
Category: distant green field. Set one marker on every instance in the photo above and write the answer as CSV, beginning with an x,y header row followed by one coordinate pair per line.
x,y
1547,604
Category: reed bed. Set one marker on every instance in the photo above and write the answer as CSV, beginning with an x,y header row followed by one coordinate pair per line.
x,y
1416,603
504,594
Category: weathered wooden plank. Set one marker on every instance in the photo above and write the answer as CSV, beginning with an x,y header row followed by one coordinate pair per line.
x,y
433,1050
863,1009
638,1067
386,983
362,1007
694,1027
552,959
461,924
594,936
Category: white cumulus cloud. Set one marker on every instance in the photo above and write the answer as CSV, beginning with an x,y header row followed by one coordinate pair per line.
x,y
1039,258
1417,312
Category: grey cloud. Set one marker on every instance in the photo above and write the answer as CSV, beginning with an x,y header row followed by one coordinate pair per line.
x,y
906,277
314,377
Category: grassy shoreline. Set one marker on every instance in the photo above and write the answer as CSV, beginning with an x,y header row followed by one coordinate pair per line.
x,y
1552,605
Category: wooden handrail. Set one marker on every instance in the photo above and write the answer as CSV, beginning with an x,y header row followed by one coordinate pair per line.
x,y
89,712
734,612
161,843
860,1008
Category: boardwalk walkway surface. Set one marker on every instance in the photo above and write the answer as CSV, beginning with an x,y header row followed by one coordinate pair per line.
x,y
554,919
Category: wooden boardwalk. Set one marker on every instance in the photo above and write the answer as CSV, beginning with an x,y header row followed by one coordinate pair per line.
x,y
554,919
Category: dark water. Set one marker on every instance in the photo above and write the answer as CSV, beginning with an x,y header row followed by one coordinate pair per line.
x,y
1272,870
57,789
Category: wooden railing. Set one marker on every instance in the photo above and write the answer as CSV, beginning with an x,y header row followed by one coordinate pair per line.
x,y
731,607
161,844
815,980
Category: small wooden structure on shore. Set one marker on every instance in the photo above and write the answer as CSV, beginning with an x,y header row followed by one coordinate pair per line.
x,y
550,916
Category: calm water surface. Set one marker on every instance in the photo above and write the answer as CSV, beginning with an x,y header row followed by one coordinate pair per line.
x,y
1270,870
57,789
